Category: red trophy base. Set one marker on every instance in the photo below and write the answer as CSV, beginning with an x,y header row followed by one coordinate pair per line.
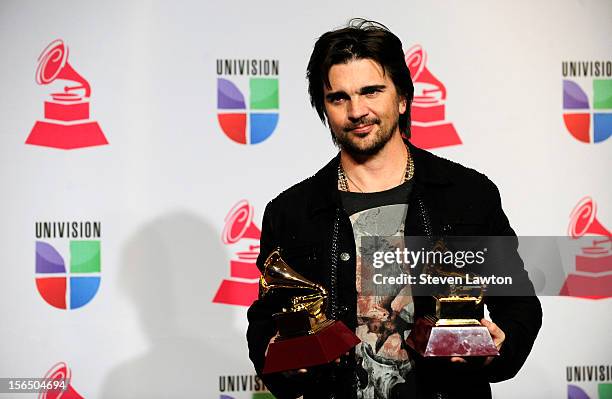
x,y
66,136
324,346
430,340
434,135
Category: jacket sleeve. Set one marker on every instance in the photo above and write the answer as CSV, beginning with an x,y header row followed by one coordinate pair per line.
x,y
261,326
520,317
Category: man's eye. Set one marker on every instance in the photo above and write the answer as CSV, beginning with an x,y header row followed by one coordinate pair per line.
x,y
372,93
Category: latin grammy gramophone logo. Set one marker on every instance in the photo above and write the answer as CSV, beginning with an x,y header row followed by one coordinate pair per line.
x,y
429,128
593,275
242,287
62,374
66,124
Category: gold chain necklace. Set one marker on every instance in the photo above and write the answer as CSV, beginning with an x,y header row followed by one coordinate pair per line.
x,y
343,178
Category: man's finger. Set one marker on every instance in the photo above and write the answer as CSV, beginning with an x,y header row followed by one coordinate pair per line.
x,y
497,333
293,373
271,341
456,359
493,328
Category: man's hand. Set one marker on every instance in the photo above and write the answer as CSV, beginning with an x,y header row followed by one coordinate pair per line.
x,y
497,334
498,339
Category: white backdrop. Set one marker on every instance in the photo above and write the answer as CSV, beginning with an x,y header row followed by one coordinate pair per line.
x,y
163,186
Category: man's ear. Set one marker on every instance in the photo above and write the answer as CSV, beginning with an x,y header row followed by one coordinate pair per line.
x,y
402,105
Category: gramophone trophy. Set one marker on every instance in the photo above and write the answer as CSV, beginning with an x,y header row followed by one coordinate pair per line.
x,y
305,336
66,124
450,325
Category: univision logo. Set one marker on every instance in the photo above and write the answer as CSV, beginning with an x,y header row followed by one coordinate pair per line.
x,y
589,121
251,118
72,281
589,381
604,391
243,383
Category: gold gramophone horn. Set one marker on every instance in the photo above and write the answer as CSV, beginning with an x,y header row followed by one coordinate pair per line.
x,y
278,274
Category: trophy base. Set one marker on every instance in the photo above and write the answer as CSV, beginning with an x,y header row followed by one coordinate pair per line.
x,y
66,136
322,347
431,340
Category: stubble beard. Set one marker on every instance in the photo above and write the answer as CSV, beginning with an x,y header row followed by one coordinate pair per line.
x,y
344,142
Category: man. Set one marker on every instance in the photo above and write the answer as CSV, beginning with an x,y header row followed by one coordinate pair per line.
x,y
380,185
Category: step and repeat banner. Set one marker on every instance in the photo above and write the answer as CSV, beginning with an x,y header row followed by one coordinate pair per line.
x,y
141,141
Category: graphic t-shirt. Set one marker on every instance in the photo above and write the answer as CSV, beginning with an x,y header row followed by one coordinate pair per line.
x,y
383,321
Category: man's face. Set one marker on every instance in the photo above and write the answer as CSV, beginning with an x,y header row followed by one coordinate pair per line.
x,y
362,106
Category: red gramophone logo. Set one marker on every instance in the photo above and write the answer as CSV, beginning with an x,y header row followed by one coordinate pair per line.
x,y
593,275
429,129
66,124
60,375
242,287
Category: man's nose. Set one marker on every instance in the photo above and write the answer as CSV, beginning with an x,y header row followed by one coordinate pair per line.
x,y
357,109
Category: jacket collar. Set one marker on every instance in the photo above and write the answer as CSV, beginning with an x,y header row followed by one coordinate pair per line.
x,y
325,194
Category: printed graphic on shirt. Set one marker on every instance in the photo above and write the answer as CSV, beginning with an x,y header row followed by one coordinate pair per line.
x,y
383,321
